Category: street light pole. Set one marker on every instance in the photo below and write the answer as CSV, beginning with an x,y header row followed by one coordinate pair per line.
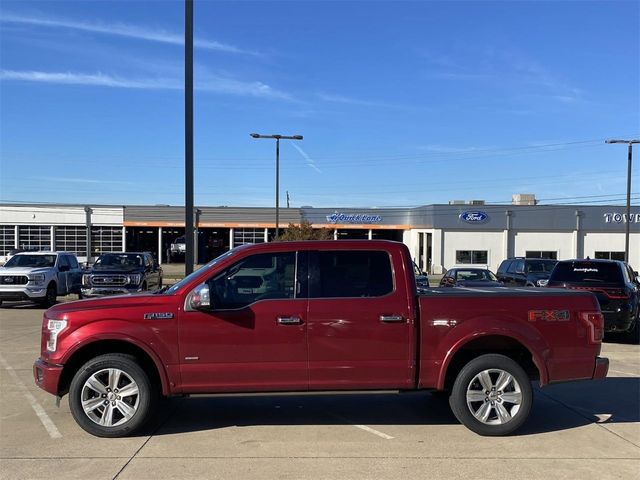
x,y
628,223
188,136
277,139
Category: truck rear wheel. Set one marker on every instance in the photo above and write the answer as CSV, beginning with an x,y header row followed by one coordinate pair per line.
x,y
492,395
111,396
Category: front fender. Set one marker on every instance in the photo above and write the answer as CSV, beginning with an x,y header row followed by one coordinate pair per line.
x,y
136,335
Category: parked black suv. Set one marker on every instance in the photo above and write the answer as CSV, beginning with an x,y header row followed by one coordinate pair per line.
x,y
525,272
615,285
118,273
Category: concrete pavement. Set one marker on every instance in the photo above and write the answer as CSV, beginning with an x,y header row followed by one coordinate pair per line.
x,y
581,430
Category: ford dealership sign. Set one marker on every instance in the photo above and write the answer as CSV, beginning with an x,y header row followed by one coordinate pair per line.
x,y
353,218
474,217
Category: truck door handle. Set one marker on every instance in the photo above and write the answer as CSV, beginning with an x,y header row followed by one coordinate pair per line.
x,y
392,318
289,320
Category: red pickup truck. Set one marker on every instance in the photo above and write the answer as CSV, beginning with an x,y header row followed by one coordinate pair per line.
x,y
317,316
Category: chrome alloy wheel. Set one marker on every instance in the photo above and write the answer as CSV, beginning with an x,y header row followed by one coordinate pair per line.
x,y
494,397
110,397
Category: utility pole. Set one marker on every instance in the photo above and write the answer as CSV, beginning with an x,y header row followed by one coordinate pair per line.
x,y
188,136
628,221
277,139
287,198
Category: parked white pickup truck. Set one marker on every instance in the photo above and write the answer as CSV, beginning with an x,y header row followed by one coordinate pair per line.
x,y
39,277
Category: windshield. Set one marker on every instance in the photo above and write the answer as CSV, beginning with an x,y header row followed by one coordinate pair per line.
x,y
541,266
587,272
31,261
179,240
116,261
175,287
476,275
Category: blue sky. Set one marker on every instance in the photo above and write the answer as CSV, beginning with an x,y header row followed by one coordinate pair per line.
x,y
400,103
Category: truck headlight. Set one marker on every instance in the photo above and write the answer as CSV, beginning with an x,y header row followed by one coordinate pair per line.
x,y
36,278
542,283
134,279
86,280
54,327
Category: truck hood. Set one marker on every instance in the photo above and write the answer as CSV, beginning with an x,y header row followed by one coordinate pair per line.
x,y
108,305
23,270
112,271
478,283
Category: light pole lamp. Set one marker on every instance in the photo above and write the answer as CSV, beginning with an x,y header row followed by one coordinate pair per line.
x,y
628,223
277,139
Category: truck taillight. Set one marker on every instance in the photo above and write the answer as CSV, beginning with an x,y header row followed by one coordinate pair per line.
x,y
594,321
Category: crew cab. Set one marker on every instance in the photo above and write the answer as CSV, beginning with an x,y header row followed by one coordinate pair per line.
x,y
317,316
120,273
614,283
39,277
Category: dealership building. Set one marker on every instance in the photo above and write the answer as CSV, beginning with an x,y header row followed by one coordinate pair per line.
x,y
440,237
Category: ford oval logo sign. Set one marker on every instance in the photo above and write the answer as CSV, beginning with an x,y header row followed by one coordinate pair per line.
x,y
474,217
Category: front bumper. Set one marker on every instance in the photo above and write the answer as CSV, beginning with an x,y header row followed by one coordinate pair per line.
x,y
22,293
47,376
104,291
601,369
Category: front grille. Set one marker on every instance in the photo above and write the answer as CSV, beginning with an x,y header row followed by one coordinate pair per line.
x,y
108,280
13,280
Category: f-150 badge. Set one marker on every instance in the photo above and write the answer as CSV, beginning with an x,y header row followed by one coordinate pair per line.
x,y
158,316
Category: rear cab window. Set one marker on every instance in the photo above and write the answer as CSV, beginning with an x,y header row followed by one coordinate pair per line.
x,y
587,272
351,274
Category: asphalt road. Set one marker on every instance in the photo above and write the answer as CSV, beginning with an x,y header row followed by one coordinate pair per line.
x,y
583,430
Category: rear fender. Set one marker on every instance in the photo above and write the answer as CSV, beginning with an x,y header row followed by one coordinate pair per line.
x,y
479,327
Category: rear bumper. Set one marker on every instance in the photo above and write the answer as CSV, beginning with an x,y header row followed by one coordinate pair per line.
x,y
618,320
601,369
47,376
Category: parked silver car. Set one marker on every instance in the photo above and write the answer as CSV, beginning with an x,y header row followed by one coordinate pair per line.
x,y
39,277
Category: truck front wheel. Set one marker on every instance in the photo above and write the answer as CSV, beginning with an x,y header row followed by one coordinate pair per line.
x,y
50,296
111,396
492,395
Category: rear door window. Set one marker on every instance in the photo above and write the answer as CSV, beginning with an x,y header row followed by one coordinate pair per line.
x,y
353,274
503,267
517,267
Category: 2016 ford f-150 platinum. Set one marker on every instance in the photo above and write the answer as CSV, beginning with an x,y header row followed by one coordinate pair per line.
x,y
313,316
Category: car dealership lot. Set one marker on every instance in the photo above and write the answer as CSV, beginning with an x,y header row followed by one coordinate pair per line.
x,y
580,430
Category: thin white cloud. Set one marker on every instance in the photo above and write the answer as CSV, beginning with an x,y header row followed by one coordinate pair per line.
x,y
310,162
90,79
208,83
329,97
121,30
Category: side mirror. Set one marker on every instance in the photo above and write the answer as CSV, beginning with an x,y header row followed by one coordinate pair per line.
x,y
64,268
199,298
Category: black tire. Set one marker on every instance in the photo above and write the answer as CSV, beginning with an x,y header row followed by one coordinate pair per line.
x,y
633,334
143,405
144,287
467,381
50,297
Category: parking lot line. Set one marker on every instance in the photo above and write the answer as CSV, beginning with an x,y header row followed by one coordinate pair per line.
x,y
374,431
48,424
362,427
